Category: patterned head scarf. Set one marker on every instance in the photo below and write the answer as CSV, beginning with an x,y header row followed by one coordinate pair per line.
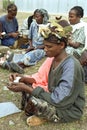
x,y
44,13
56,30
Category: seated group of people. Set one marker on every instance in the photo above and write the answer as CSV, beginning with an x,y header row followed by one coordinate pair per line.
x,y
56,92
34,48
34,51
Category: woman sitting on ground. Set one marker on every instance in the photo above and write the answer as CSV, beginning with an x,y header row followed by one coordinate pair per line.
x,y
35,51
10,26
77,41
64,98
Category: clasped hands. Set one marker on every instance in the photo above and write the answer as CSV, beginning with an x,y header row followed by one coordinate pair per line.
x,y
18,86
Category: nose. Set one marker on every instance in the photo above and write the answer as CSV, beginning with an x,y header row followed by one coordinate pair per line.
x,y
45,49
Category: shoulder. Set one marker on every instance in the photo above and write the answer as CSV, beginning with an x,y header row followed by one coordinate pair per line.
x,y
33,24
71,62
72,66
3,18
15,19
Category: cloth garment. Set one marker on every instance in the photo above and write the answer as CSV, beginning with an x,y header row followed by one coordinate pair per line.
x,y
9,41
41,77
37,40
30,58
78,35
85,70
26,25
60,28
39,107
85,30
67,96
8,27
24,28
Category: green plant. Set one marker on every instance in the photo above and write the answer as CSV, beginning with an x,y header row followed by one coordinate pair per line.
x,y
6,3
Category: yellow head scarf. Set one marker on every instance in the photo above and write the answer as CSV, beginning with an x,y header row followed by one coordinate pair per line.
x,y
58,28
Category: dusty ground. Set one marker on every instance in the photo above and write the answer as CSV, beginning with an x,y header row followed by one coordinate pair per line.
x,y
19,120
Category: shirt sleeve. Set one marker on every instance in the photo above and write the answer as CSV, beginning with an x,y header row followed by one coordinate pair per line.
x,y
79,36
16,24
63,88
65,85
30,31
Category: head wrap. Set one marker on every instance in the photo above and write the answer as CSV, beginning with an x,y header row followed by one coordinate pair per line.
x,y
44,13
56,30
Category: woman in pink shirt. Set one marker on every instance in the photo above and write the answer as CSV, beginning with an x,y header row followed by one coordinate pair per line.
x,y
37,79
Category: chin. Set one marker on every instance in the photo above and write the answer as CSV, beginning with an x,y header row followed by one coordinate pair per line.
x,y
72,23
49,56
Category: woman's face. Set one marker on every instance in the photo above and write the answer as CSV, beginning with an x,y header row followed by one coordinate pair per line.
x,y
73,18
52,49
11,15
38,17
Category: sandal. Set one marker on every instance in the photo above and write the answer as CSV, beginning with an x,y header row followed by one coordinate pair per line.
x,y
35,121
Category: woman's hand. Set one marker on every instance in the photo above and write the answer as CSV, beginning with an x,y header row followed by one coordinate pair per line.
x,y
83,58
13,34
17,87
20,87
12,77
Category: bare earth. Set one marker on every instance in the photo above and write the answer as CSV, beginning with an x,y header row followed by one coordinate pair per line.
x,y
19,120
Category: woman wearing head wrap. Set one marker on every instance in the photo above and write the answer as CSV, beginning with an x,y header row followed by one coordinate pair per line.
x,y
35,51
40,17
64,100
27,22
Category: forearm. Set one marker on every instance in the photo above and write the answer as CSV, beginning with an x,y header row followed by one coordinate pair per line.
x,y
28,89
30,42
74,44
12,34
40,47
27,80
20,87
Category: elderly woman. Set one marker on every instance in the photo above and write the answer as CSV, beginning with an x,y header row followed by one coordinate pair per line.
x,y
27,22
64,100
